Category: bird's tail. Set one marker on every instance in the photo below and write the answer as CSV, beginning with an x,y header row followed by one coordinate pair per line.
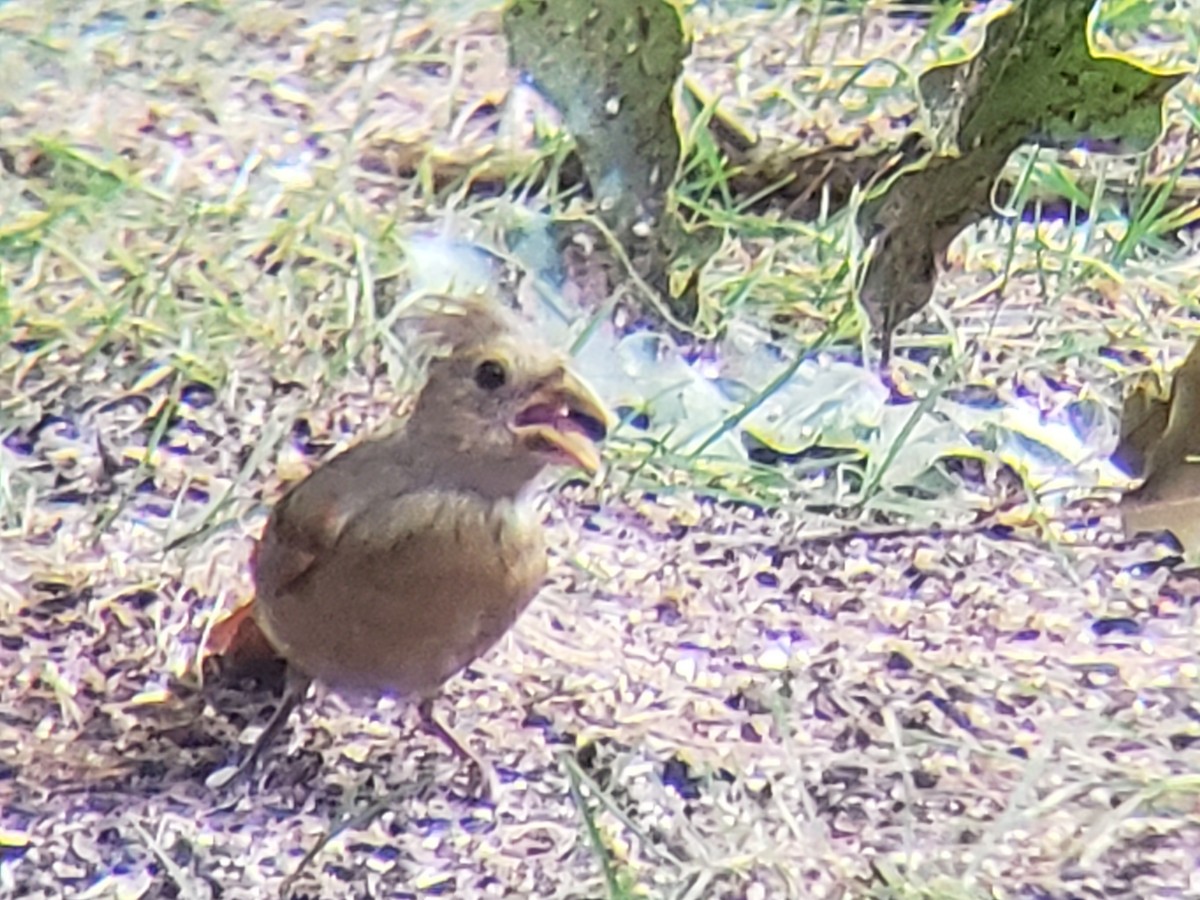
x,y
238,647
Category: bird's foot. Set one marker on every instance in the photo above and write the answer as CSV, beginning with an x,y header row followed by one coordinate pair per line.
x,y
481,777
293,693
481,780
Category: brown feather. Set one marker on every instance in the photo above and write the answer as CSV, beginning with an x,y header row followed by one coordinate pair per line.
x,y
396,564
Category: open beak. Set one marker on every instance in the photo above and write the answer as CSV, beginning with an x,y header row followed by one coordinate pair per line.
x,y
564,420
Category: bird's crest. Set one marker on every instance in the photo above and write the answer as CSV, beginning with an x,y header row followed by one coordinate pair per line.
x,y
451,325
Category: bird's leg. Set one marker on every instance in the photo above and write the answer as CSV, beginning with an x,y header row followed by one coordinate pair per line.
x,y
482,780
294,689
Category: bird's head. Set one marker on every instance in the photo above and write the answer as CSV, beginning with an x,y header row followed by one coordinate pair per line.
x,y
498,399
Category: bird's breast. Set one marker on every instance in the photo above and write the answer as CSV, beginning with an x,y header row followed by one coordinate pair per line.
x,y
414,589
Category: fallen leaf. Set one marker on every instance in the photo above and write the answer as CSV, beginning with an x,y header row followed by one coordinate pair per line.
x,y
1169,498
1143,421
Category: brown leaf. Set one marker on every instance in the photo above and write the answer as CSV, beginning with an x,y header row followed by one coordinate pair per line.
x,y
1169,498
1143,421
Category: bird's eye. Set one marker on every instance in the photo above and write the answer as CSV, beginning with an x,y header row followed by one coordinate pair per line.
x,y
490,375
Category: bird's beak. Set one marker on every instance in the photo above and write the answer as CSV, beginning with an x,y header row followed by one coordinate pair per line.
x,y
564,420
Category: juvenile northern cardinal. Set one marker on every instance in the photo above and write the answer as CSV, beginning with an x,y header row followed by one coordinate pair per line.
x,y
396,564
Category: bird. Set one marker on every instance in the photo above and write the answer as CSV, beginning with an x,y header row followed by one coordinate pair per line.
x,y
397,563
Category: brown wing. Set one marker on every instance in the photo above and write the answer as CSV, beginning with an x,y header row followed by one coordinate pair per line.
x,y
309,520
303,525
